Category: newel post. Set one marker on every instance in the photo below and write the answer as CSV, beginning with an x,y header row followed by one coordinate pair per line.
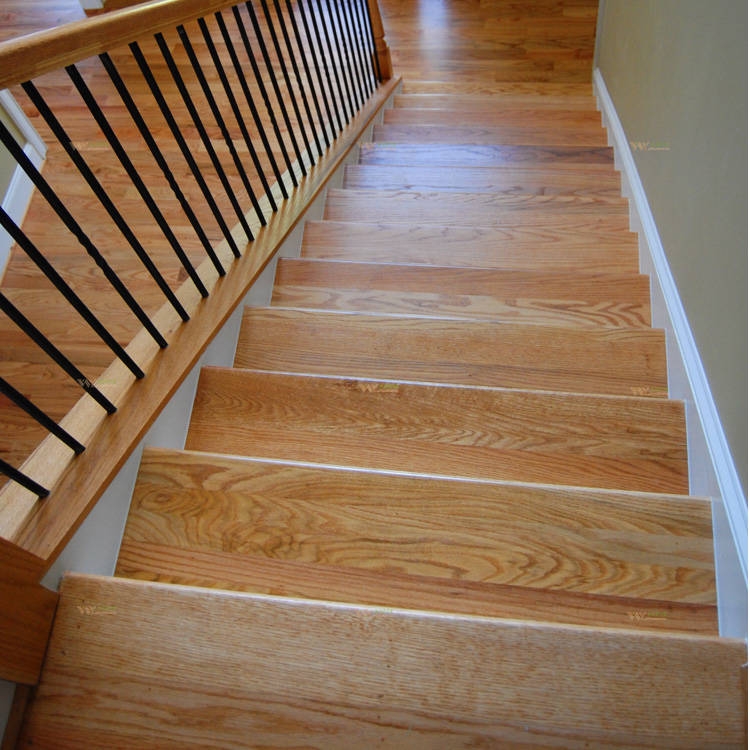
x,y
382,51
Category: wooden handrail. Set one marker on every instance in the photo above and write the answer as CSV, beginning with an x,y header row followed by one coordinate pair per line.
x,y
43,52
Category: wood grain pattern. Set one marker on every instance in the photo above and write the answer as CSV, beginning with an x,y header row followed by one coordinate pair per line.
x,y
529,180
582,213
595,441
559,298
565,157
463,352
639,546
535,133
487,102
336,676
518,248
148,561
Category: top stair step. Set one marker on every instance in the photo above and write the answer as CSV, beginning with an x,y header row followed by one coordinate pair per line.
x,y
134,664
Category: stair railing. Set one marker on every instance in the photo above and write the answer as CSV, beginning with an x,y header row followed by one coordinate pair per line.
x,y
250,106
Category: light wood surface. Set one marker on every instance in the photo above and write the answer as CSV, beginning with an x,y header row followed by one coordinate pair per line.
x,y
638,546
518,248
148,561
546,298
527,180
192,667
530,436
464,352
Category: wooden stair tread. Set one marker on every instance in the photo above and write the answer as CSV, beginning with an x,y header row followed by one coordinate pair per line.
x,y
477,155
615,361
148,561
572,439
451,115
621,544
547,298
546,90
528,180
532,134
478,209
133,663
483,103
519,248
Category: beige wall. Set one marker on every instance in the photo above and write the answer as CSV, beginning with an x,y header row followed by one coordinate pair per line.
x,y
677,73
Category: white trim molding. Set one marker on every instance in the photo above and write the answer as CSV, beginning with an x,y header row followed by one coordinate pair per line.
x,y
712,469
20,189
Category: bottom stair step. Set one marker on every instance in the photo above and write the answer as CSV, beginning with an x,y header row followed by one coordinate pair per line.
x,y
138,665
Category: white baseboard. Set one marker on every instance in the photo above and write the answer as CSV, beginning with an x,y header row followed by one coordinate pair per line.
x,y
712,470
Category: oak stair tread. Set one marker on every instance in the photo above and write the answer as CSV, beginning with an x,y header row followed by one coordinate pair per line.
x,y
616,361
534,134
517,248
581,213
528,180
130,662
621,544
541,90
590,159
494,103
528,117
149,561
616,442
542,297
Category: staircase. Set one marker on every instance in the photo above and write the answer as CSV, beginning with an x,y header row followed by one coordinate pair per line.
x,y
441,499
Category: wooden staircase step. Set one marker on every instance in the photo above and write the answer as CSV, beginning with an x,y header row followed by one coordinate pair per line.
x,y
532,134
622,544
511,248
614,361
545,298
134,664
529,180
537,90
478,209
485,433
587,121
148,561
487,102
474,155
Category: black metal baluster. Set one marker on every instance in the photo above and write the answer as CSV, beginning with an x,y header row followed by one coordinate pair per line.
x,y
364,51
373,46
145,132
67,218
187,155
298,77
213,106
348,45
20,238
136,179
321,54
92,181
50,349
337,38
274,84
308,75
203,134
264,95
285,73
236,111
318,21
37,414
20,478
